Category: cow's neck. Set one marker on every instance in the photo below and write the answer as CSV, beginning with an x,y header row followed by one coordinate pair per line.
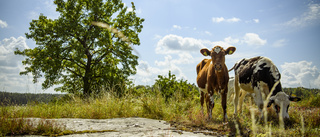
x,y
221,79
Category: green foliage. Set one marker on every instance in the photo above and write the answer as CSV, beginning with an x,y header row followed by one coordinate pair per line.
x,y
310,97
169,86
141,90
82,57
183,113
315,101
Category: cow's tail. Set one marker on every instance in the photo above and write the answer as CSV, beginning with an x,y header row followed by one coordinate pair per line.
x,y
232,68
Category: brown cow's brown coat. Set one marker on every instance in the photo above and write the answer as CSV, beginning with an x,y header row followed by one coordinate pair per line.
x,y
213,77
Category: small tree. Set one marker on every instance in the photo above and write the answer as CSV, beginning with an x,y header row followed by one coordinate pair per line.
x,y
170,85
81,56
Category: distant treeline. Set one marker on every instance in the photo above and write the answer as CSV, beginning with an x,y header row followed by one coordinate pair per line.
x,y
302,92
7,98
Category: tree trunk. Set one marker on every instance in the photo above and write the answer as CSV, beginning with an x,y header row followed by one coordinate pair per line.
x,y
87,76
86,87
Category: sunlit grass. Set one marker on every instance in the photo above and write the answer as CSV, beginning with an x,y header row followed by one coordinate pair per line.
x,y
184,113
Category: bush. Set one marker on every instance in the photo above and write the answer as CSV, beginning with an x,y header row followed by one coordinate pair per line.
x,y
168,86
315,101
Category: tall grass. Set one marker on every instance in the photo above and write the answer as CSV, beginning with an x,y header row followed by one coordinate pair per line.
x,y
182,112
23,126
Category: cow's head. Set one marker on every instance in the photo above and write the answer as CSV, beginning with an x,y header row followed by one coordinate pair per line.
x,y
218,55
281,102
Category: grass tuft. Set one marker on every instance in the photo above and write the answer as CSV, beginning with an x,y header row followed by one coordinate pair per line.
x,y
182,112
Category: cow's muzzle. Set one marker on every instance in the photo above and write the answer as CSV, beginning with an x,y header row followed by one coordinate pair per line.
x,y
218,67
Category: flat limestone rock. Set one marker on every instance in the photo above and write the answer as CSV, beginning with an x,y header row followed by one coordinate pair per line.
x,y
124,127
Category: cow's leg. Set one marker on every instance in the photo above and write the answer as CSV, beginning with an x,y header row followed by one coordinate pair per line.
x,y
258,97
236,95
202,97
242,96
210,105
224,104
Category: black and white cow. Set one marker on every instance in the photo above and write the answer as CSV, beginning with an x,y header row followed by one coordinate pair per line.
x,y
242,94
258,75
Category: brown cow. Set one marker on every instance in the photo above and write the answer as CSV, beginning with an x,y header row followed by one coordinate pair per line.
x,y
213,77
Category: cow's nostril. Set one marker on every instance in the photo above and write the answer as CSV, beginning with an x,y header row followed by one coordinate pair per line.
x,y
218,67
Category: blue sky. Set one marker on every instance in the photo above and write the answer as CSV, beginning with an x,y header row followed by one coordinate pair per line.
x,y
174,31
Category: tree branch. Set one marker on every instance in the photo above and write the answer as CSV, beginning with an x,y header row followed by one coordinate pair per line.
x,y
101,57
73,72
72,60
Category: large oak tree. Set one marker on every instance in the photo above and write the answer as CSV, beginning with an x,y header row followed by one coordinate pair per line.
x,y
73,52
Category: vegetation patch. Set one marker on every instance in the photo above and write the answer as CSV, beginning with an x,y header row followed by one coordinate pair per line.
x,y
181,109
22,126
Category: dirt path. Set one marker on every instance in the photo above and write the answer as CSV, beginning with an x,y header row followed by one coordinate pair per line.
x,y
123,127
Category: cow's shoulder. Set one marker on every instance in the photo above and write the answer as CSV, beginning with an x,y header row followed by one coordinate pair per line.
x,y
246,65
203,65
202,72
244,69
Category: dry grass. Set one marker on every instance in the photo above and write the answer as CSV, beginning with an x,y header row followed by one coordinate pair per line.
x,y
183,113
22,126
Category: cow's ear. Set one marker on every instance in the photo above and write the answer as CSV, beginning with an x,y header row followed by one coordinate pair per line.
x,y
205,52
230,50
294,99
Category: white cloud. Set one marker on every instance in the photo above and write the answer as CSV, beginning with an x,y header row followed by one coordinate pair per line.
x,y
170,44
7,48
233,20
208,33
3,24
176,27
146,74
172,65
253,39
157,37
11,66
256,20
137,11
166,62
306,18
173,44
218,19
280,43
183,59
301,73
231,40
222,19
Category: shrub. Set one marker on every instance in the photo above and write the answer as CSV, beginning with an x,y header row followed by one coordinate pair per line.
x,y
169,86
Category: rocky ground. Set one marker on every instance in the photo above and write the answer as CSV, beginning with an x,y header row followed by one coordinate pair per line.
x,y
123,127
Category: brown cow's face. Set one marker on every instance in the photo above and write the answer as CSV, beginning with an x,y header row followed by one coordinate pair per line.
x,y
218,56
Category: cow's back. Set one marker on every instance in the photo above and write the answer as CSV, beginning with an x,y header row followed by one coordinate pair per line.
x,y
256,70
244,69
